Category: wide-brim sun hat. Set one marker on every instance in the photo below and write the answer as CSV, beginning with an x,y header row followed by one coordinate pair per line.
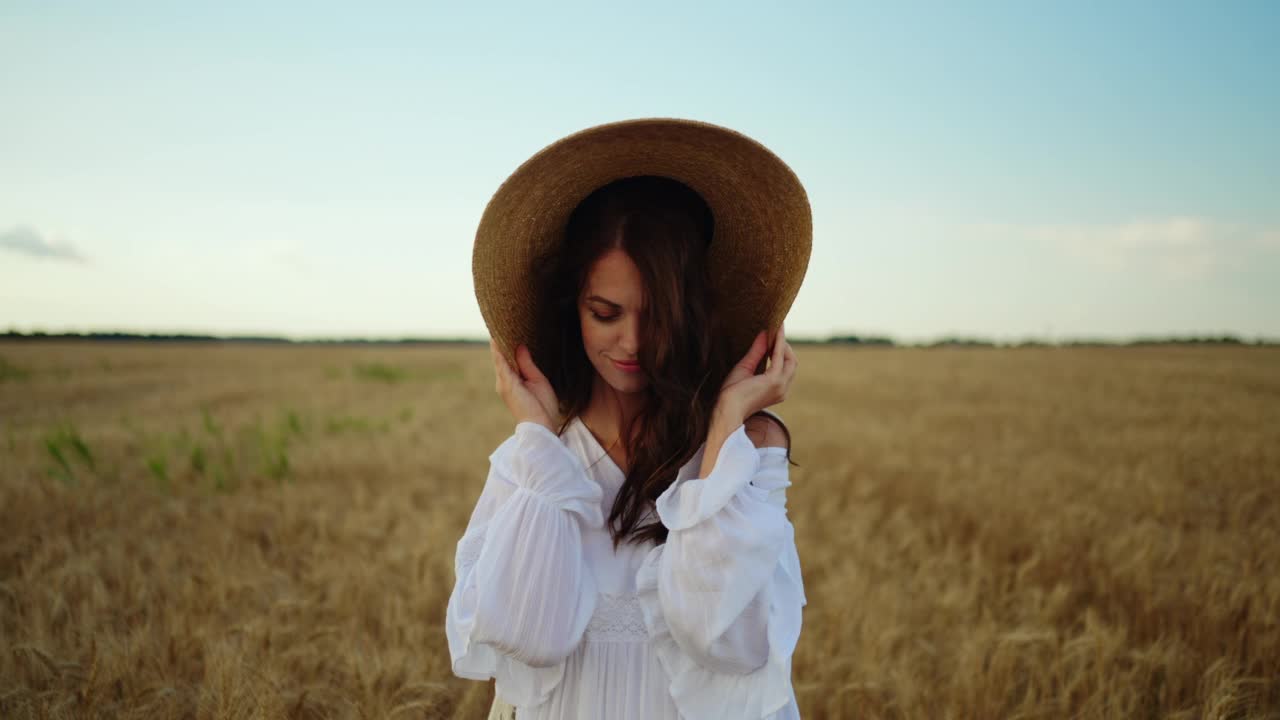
x,y
760,245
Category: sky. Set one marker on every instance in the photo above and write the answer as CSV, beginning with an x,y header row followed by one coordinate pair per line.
x,y
1000,170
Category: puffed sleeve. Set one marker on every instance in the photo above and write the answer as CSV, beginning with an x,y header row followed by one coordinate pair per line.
x,y
722,597
523,595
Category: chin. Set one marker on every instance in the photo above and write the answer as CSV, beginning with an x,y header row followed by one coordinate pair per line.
x,y
630,388
623,384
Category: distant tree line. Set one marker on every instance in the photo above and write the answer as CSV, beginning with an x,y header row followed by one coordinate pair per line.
x,y
1098,342
264,339
862,340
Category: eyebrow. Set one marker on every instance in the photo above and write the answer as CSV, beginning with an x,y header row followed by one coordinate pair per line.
x,y
610,303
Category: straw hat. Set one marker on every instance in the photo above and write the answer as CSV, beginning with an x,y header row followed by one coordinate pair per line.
x,y
759,250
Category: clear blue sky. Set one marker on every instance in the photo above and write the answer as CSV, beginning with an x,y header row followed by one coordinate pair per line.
x,y
1007,170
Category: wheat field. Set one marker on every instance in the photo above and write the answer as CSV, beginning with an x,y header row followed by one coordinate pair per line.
x,y
267,531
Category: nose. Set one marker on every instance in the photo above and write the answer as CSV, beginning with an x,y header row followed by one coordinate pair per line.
x,y
628,343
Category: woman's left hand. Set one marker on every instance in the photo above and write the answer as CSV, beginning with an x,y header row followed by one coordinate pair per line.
x,y
744,392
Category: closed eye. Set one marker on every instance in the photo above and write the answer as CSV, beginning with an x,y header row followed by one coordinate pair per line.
x,y
603,318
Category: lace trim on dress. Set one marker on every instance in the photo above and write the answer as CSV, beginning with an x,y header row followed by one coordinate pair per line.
x,y
469,550
617,618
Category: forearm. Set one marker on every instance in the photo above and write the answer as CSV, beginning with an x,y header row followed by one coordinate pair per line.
x,y
534,592
726,537
523,586
724,420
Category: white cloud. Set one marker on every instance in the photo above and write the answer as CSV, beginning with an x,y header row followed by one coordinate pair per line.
x,y
1175,248
28,241
1269,239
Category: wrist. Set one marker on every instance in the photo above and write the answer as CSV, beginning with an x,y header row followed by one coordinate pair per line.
x,y
537,421
724,422
727,416
722,426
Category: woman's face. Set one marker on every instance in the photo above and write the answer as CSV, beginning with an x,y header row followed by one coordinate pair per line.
x,y
609,309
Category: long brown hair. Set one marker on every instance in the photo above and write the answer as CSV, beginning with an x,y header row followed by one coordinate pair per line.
x,y
665,228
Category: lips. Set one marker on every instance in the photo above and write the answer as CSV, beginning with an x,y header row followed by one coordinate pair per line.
x,y
627,367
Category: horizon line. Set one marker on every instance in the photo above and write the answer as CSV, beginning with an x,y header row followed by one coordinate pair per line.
x,y
1225,338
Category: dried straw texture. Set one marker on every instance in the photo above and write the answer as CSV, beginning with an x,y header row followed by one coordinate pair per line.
x,y
267,532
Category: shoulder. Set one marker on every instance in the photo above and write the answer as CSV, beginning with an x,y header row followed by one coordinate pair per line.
x,y
767,430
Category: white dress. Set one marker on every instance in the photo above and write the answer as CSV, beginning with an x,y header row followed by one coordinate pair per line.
x,y
700,627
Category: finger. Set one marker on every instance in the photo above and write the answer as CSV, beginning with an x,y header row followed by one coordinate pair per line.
x,y
499,373
527,367
755,352
493,356
775,360
791,364
504,367
785,371
514,363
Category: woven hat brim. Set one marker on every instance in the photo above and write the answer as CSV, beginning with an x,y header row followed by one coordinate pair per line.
x,y
759,251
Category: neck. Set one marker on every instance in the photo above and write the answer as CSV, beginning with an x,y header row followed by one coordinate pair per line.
x,y
609,411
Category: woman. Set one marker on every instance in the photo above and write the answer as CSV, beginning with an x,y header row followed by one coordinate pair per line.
x,y
630,556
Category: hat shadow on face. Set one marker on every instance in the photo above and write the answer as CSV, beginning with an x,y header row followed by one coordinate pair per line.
x,y
634,262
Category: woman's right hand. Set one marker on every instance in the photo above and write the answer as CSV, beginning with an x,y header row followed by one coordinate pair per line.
x,y
528,393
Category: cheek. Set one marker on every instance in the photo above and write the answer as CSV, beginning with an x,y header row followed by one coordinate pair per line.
x,y
590,333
